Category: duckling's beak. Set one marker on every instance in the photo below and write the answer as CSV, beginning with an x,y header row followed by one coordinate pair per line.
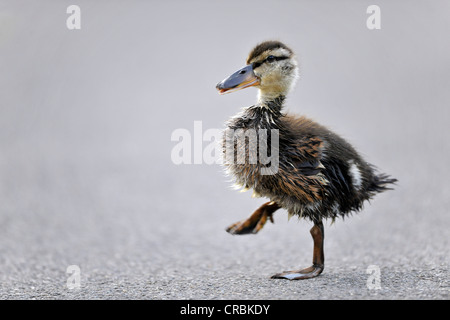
x,y
241,79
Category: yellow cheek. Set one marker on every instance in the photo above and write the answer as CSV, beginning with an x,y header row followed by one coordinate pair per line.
x,y
275,81
271,78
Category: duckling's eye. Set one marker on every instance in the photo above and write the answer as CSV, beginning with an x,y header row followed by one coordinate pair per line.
x,y
270,59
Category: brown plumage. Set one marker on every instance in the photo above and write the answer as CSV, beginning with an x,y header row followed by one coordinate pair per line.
x,y
319,175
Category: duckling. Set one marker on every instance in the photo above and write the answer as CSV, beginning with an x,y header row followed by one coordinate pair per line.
x,y
319,175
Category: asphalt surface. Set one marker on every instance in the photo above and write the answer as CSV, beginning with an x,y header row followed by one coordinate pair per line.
x,y
87,178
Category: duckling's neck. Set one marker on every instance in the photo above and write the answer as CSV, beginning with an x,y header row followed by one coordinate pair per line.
x,y
272,104
264,114
266,96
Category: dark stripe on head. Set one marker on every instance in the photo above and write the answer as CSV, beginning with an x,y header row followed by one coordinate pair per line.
x,y
268,59
264,46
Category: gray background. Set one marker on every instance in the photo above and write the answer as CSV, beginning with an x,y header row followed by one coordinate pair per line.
x,y
86,176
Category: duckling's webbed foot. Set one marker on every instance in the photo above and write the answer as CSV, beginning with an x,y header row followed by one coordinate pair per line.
x,y
256,221
318,236
306,273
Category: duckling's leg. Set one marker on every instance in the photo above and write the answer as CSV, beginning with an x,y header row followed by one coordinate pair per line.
x,y
256,221
318,235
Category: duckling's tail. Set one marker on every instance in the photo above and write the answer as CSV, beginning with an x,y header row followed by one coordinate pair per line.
x,y
381,183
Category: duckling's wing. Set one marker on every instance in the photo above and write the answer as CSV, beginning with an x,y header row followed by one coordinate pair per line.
x,y
300,173
304,155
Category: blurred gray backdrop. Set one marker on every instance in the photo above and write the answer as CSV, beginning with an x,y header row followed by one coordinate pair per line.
x,y
86,176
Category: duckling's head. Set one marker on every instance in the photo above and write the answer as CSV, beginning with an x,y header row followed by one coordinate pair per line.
x,y
271,67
